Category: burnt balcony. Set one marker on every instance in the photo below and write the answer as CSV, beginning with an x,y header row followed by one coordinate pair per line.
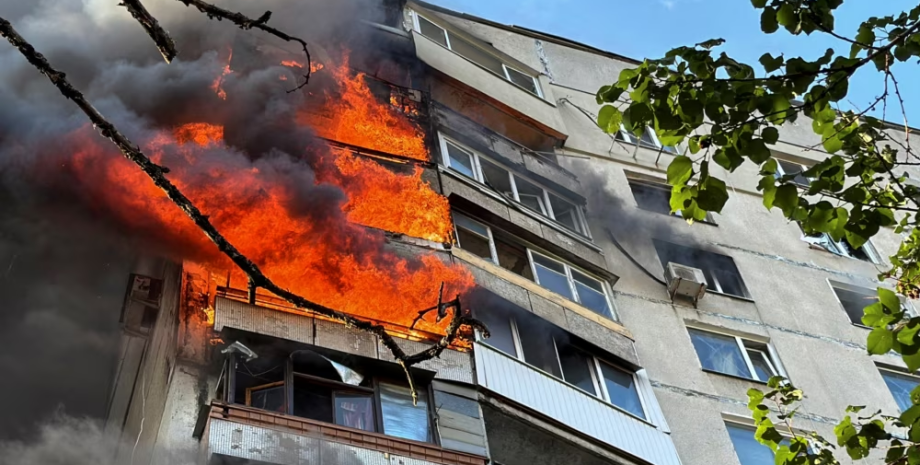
x,y
252,435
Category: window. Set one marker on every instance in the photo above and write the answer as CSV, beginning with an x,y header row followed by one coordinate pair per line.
x,y
655,197
732,355
330,392
551,350
900,384
525,192
477,54
788,168
749,451
550,273
722,276
824,240
854,299
647,139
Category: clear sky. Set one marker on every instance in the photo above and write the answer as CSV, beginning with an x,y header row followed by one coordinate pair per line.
x,y
649,28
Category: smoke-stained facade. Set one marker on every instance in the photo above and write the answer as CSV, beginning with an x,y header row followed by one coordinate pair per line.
x,y
429,147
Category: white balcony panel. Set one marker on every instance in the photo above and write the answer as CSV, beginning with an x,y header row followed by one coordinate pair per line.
x,y
463,70
538,391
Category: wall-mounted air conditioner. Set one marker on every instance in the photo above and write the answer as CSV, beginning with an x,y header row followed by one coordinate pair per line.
x,y
685,281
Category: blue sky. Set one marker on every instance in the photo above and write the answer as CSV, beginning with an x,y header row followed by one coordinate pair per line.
x,y
649,28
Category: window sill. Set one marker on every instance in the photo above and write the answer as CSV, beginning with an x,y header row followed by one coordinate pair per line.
x,y
583,240
730,296
742,378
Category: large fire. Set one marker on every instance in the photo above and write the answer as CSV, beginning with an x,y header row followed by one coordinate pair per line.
x,y
355,117
340,267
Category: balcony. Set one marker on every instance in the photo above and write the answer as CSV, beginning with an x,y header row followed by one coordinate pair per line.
x,y
528,106
266,437
576,409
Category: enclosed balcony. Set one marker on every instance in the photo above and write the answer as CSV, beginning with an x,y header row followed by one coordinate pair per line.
x,y
598,402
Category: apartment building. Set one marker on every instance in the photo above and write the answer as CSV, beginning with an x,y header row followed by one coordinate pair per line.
x,y
568,235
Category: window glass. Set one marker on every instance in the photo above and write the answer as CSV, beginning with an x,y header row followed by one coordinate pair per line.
x,y
591,293
790,168
576,367
721,273
513,257
854,302
646,139
267,398
526,81
355,411
748,450
400,417
312,400
900,386
652,197
530,195
496,177
473,237
476,55
565,213
500,332
551,275
762,366
432,31
460,160
621,386
538,348
719,353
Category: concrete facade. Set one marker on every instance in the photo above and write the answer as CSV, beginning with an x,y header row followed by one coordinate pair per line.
x,y
789,310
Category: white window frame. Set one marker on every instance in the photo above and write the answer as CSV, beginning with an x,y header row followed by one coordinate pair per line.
x,y
782,172
536,82
570,279
906,305
772,357
826,242
594,368
637,141
581,222
492,250
896,371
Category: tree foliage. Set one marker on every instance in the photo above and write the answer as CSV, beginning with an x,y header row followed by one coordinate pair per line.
x,y
727,112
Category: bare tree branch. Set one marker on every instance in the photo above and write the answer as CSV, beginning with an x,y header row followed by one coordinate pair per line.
x,y
246,23
160,37
256,277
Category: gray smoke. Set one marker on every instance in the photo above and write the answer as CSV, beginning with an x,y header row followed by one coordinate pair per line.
x,y
64,255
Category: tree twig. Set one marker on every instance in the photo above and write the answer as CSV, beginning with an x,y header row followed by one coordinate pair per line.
x,y
246,23
256,277
160,37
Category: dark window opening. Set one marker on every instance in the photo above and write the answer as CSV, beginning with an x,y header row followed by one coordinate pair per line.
x,y
789,168
652,197
722,276
854,300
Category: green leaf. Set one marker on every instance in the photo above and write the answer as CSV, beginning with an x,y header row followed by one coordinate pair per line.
x,y
694,145
770,135
787,198
768,22
889,299
757,150
712,195
880,341
910,415
780,110
907,335
786,15
759,3
609,119
680,170
874,316
755,397
832,142
912,361
770,63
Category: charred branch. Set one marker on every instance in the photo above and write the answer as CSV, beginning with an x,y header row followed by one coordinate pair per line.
x,y
257,278
244,22
160,37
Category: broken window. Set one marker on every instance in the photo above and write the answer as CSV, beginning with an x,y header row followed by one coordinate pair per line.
x,y
512,186
722,276
554,352
330,392
788,168
732,355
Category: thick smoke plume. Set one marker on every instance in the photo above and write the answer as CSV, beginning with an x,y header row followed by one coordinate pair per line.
x,y
64,248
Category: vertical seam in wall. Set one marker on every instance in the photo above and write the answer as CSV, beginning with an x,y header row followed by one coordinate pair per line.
x,y
544,60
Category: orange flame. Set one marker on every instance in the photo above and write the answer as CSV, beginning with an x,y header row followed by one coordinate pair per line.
x,y
314,65
217,85
357,118
203,134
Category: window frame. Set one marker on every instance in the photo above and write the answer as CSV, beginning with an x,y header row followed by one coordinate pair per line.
x,y
581,229
826,242
711,287
661,185
896,371
536,81
629,138
769,352
594,368
571,281
780,172
751,429
906,306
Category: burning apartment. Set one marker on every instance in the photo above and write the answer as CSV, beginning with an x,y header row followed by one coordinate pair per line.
x,y
433,156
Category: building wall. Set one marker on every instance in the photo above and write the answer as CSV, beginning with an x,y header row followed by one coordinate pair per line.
x,y
792,305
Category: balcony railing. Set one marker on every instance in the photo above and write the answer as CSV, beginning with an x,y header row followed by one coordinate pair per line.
x,y
578,410
254,434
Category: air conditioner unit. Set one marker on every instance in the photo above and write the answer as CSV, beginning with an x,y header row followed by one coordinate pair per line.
x,y
686,281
